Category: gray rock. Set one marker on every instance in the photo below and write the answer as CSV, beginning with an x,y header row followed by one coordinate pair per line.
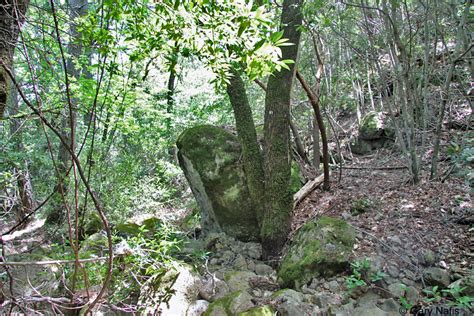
x,y
231,304
197,308
396,289
436,277
254,250
291,303
319,248
263,269
240,263
333,286
395,240
390,306
185,284
213,288
427,257
251,265
238,280
393,271
210,159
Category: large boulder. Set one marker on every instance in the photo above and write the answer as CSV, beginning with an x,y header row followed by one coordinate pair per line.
x,y
211,159
232,304
320,248
170,293
374,132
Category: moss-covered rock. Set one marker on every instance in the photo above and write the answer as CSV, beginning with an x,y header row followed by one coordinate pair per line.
x,y
232,304
374,132
211,160
259,311
320,248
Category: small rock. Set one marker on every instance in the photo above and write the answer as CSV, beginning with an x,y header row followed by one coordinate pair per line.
x,y
395,240
346,216
197,308
263,269
390,306
240,263
254,250
238,280
396,289
250,265
212,289
436,277
427,257
393,271
333,286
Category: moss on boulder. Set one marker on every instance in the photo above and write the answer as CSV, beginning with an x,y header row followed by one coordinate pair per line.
x,y
211,160
232,304
320,248
374,132
259,311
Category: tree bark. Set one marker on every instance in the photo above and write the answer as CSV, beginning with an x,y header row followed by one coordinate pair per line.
x,y
277,168
314,100
251,153
12,16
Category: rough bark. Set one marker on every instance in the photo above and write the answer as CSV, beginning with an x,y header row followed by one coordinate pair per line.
x,y
26,200
314,100
12,16
278,198
251,154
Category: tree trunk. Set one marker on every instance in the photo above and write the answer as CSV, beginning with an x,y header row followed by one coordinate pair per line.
x,y
12,15
316,147
278,198
314,100
26,200
252,156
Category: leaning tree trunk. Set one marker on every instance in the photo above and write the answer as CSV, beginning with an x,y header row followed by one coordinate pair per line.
x,y
251,154
12,15
277,168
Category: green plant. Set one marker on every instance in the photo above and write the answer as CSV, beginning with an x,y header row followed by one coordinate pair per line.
x,y
456,294
433,295
360,276
361,205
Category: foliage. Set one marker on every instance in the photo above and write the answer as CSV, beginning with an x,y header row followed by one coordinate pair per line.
x,y
361,275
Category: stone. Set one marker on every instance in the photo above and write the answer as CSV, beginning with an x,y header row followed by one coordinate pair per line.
x,y
393,271
31,277
258,311
390,306
254,250
213,288
240,263
319,248
374,126
396,289
210,158
291,303
436,277
263,269
333,286
427,257
185,285
232,304
251,265
238,280
374,133
197,308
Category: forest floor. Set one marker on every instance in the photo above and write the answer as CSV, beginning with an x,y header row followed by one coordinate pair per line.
x,y
401,221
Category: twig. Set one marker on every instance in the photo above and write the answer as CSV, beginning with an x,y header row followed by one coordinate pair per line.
x,y
377,168
48,262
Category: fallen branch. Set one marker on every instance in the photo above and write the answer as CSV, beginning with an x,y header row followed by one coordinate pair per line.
x,y
44,263
307,189
377,168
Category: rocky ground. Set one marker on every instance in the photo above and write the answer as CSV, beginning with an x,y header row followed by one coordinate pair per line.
x,y
407,240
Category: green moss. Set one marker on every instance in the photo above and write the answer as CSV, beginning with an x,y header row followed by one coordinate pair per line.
x,y
258,311
319,248
222,303
295,180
